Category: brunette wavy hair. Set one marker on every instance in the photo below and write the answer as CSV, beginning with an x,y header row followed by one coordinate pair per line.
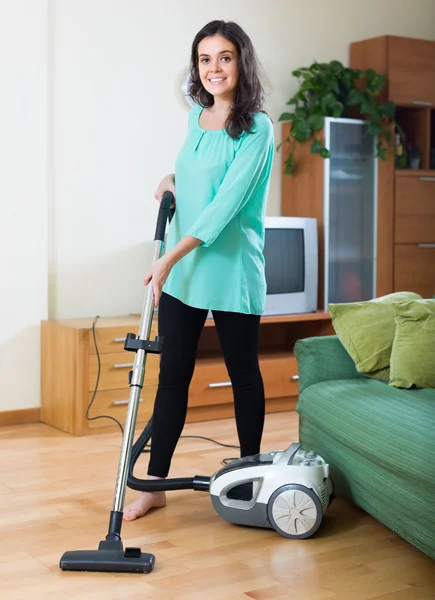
x,y
249,94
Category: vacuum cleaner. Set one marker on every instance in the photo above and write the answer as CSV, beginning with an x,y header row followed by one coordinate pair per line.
x,y
287,490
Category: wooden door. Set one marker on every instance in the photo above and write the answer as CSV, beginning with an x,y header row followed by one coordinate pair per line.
x,y
411,71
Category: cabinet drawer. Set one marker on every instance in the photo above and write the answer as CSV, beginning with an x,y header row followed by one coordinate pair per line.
x,y
280,376
415,210
114,403
115,369
112,398
211,383
111,339
414,269
411,68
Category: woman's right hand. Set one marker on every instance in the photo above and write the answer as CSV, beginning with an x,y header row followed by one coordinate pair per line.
x,y
167,184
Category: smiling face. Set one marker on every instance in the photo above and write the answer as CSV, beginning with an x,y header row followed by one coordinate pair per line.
x,y
218,66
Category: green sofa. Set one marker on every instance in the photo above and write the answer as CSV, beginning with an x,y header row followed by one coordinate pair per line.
x,y
378,440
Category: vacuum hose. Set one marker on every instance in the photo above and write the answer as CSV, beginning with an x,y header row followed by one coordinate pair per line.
x,y
199,483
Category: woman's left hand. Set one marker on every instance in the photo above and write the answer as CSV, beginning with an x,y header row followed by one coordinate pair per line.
x,y
157,276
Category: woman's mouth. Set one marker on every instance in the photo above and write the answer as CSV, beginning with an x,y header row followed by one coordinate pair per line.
x,y
217,80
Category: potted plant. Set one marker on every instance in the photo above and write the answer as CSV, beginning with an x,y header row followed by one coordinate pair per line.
x,y
332,90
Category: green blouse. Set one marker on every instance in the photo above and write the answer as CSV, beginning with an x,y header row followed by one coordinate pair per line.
x,y
221,194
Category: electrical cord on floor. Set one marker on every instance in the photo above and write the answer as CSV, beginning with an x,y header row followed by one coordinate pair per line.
x,y
147,447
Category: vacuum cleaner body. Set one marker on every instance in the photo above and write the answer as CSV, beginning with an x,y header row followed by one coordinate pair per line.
x,y
288,491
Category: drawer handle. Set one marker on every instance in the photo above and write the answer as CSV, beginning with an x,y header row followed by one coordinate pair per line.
x,y
123,366
422,103
119,340
294,377
120,402
427,178
221,384
426,245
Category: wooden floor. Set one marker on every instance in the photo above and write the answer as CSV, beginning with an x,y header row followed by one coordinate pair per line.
x,y
56,493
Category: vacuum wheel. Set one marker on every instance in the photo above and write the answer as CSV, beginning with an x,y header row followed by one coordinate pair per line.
x,y
295,511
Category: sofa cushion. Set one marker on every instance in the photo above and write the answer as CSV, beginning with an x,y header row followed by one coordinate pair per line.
x,y
392,427
413,355
367,329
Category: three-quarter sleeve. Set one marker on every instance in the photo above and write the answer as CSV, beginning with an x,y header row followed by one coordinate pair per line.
x,y
247,170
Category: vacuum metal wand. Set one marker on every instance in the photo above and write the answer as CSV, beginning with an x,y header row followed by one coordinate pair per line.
x,y
111,555
137,379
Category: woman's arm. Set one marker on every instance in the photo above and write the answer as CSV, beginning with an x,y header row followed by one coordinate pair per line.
x,y
162,267
249,168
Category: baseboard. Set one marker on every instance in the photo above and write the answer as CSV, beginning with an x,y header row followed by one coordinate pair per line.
x,y
20,417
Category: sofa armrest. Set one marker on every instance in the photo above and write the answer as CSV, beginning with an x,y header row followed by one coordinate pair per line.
x,y
323,358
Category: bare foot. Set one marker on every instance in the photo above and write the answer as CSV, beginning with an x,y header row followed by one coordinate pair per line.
x,y
145,501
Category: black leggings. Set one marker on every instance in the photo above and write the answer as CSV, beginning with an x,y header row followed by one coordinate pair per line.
x,y
181,326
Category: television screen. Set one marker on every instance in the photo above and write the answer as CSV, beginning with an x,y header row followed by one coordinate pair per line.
x,y
284,260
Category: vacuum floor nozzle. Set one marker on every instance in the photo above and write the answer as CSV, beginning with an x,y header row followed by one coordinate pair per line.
x,y
108,560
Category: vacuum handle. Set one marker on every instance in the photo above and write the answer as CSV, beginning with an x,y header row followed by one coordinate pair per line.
x,y
165,214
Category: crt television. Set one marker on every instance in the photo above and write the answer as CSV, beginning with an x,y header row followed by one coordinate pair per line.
x,y
291,264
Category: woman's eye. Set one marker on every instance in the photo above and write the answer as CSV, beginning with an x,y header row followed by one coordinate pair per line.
x,y
204,60
226,58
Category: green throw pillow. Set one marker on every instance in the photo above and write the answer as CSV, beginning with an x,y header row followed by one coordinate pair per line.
x,y
366,329
413,354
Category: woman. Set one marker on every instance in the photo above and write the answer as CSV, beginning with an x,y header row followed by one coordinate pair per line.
x,y
214,259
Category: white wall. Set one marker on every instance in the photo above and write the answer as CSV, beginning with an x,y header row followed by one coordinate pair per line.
x,y
120,124
115,125
23,198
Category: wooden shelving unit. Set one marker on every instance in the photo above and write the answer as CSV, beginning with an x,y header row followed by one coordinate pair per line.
x,y
409,66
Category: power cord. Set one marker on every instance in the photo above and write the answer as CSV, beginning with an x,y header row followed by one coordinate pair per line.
x,y
96,383
147,447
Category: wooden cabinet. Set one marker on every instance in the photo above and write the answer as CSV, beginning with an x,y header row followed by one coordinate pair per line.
x,y
414,236
409,277
71,370
411,70
409,67
415,209
74,374
408,63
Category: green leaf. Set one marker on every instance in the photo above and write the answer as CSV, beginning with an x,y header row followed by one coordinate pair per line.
x,y
355,97
374,129
316,146
335,86
337,110
301,113
316,121
328,102
336,65
388,109
301,131
324,153
290,164
367,108
287,117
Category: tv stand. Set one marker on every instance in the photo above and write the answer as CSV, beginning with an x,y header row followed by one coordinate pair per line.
x,y
70,367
